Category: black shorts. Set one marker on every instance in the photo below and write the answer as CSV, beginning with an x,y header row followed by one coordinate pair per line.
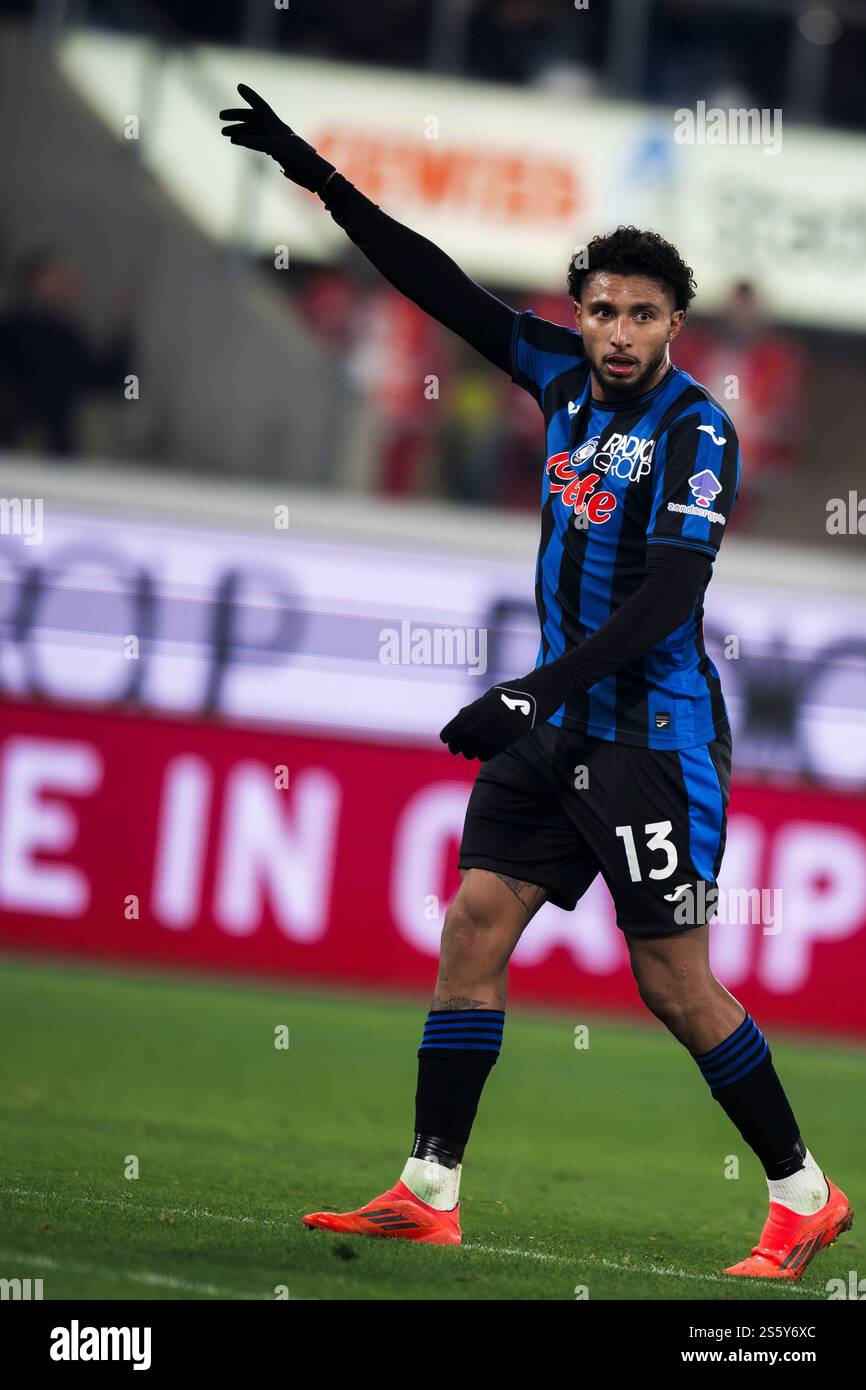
x,y
558,807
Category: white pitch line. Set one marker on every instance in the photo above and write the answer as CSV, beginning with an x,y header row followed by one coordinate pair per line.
x,y
789,1285
138,1276
582,1262
508,1252
157,1210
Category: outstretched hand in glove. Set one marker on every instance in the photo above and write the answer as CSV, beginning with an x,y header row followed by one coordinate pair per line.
x,y
259,128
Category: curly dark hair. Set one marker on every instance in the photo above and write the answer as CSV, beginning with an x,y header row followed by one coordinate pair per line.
x,y
629,251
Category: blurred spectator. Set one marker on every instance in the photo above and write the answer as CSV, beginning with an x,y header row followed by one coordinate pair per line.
x,y
692,50
397,363
696,53
522,461
758,374
523,453
471,452
329,301
513,40
48,366
478,440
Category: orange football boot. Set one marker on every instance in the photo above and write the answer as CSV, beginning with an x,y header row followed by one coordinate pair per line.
x,y
397,1212
788,1241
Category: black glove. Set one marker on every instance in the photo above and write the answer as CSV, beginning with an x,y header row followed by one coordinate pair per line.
x,y
507,712
260,128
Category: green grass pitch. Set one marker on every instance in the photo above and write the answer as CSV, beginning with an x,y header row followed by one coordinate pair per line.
x,y
601,1168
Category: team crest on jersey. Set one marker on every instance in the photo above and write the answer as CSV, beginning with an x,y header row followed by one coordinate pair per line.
x,y
585,452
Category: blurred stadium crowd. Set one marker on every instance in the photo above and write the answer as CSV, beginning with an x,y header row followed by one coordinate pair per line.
x,y
483,445
751,52
480,445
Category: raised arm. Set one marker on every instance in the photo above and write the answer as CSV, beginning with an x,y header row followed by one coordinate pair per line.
x,y
410,262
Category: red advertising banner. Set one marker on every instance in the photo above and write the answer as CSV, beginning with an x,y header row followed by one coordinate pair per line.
x,y
280,854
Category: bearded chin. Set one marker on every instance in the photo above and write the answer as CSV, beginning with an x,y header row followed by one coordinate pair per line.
x,y
637,385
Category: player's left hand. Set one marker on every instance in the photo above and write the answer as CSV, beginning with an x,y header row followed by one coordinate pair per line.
x,y
505,713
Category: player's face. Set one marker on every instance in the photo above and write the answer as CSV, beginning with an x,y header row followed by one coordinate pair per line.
x,y
627,323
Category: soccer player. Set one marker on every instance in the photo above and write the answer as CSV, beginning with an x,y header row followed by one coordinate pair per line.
x,y
613,755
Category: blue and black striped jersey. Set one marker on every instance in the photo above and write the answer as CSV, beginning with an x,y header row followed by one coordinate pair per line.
x,y
661,468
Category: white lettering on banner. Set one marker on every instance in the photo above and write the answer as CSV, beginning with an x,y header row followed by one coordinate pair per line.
x,y
182,836
430,822
822,870
32,769
276,856
804,854
264,853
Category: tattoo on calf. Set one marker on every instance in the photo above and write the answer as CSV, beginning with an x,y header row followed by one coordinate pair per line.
x,y
453,1002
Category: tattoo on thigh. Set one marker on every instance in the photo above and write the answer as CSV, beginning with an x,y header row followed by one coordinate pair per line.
x,y
528,894
453,1002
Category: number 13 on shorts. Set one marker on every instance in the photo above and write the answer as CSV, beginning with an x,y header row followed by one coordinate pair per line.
x,y
657,838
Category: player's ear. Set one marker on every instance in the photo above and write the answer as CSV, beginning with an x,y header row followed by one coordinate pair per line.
x,y
576,303
678,318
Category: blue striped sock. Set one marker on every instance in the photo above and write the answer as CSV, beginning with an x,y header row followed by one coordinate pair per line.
x,y
463,1030
743,1080
458,1050
736,1057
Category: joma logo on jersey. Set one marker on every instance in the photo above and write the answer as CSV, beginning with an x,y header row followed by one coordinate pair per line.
x,y
578,492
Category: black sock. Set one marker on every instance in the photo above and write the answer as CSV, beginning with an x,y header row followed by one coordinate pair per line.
x,y
456,1054
742,1078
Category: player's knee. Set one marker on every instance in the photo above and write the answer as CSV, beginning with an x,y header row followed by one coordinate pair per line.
x,y
468,924
659,1002
672,1000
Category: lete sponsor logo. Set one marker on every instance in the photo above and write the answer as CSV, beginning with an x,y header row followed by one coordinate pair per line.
x,y
578,492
